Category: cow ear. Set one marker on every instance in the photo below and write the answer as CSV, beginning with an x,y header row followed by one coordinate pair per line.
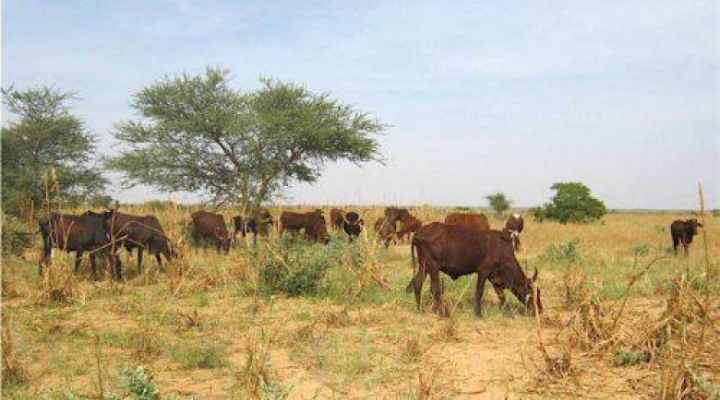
x,y
535,275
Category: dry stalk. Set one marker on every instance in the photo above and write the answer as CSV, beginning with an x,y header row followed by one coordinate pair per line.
x,y
13,372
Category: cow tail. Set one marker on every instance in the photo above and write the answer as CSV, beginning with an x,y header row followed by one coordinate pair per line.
x,y
410,286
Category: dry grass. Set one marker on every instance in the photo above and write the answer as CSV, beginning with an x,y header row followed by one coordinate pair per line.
x,y
366,339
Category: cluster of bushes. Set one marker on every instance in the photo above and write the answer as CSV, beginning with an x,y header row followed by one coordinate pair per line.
x,y
16,236
294,268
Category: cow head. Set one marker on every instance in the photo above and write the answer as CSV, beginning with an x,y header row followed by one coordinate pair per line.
x,y
691,226
519,284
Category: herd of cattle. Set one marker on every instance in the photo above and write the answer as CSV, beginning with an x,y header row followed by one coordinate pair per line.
x,y
464,244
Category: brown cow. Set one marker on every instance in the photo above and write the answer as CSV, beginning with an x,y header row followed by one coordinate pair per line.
x,y
478,222
515,225
385,230
210,227
396,214
409,225
458,251
79,234
257,223
312,223
337,216
142,233
683,232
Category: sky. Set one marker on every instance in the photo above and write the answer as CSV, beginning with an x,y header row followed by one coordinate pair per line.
x,y
480,96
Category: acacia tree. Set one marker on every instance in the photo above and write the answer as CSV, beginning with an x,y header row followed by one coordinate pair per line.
x,y
498,202
45,135
572,202
199,134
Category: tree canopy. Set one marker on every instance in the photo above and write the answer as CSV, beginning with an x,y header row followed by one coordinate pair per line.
x,y
498,202
199,134
572,202
46,135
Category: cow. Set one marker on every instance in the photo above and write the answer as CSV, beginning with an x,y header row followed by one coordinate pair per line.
x,y
352,224
337,217
478,222
457,251
515,225
210,227
394,214
79,234
311,223
257,223
385,230
683,232
142,233
409,225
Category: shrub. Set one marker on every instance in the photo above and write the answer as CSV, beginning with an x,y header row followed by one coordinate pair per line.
x,y
297,268
572,202
15,236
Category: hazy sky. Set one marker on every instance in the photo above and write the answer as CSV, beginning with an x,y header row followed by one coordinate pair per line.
x,y
482,96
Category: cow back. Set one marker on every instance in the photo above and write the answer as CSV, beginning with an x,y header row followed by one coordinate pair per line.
x,y
478,222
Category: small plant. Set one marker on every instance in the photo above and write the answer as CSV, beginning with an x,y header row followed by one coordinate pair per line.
x,y
203,356
567,251
625,357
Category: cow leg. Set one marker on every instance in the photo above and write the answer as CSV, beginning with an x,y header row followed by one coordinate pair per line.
x,y
117,265
159,261
480,287
438,305
685,244
500,294
78,259
676,242
139,263
93,265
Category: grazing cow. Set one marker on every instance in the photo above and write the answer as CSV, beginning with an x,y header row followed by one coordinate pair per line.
x,y
409,225
515,225
79,234
312,223
478,222
337,216
683,232
385,230
142,233
352,224
394,214
257,223
458,251
210,227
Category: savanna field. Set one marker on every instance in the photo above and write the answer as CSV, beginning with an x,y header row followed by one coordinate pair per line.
x,y
623,318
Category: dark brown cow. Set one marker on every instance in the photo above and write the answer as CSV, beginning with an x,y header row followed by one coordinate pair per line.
x,y
515,225
394,214
683,232
210,227
458,251
79,234
142,233
337,216
312,223
385,230
352,224
478,222
409,225
257,223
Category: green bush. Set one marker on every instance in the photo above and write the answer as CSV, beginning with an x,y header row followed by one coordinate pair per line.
x,y
297,268
572,202
15,236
